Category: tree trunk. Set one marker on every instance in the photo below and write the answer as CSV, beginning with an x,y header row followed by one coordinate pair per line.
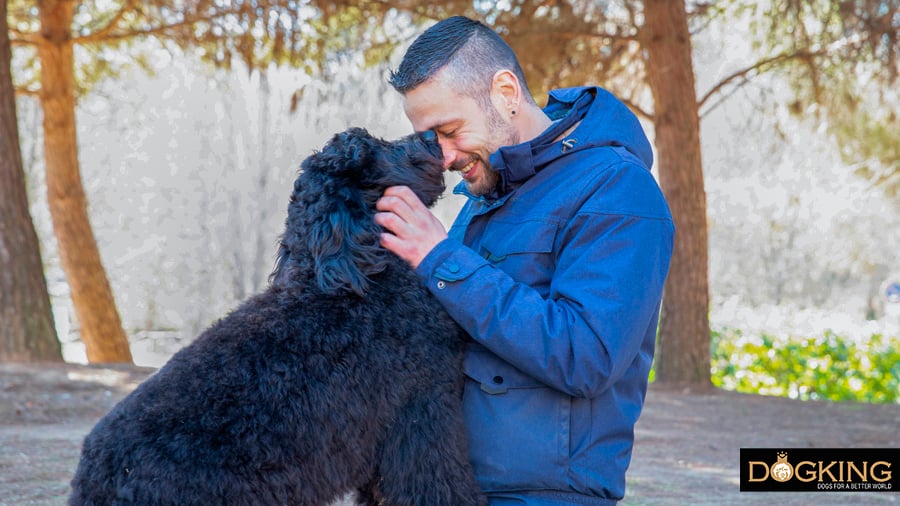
x,y
27,332
95,308
683,354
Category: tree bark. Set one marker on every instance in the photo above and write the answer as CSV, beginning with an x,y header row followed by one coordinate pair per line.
x,y
27,332
683,354
95,308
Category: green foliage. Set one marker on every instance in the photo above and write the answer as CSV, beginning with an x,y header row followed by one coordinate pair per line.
x,y
828,367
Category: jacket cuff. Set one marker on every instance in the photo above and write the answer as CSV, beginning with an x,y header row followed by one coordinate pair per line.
x,y
450,261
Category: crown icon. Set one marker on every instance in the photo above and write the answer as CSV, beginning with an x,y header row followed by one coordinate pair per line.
x,y
782,470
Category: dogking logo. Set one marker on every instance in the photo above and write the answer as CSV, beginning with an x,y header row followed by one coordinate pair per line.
x,y
781,470
820,469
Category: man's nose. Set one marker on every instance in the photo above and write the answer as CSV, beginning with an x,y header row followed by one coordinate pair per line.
x,y
448,152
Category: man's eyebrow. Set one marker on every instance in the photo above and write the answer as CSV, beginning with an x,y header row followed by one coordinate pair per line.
x,y
433,126
444,123
435,118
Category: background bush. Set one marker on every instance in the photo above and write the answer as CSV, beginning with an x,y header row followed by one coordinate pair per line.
x,y
826,367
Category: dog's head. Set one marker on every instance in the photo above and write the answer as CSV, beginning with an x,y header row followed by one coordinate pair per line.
x,y
331,238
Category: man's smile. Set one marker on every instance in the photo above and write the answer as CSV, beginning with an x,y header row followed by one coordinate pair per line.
x,y
467,171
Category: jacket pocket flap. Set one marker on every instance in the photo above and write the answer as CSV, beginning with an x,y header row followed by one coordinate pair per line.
x,y
495,375
522,237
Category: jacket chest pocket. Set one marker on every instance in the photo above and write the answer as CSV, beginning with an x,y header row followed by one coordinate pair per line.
x,y
514,422
524,249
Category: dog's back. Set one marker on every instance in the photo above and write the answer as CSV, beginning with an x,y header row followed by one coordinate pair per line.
x,y
261,402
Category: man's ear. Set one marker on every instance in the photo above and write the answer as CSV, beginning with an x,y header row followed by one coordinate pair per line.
x,y
506,93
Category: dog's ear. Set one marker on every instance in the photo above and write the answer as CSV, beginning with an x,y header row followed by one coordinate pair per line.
x,y
282,264
330,217
287,264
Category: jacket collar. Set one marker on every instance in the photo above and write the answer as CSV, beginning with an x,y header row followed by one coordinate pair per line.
x,y
517,163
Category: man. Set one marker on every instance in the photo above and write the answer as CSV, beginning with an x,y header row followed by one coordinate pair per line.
x,y
555,266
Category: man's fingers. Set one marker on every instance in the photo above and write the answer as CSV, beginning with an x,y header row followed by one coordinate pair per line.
x,y
404,207
394,205
391,242
391,221
411,230
403,198
404,192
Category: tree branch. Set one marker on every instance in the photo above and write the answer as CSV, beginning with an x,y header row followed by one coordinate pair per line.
x,y
743,73
27,92
19,38
107,35
575,35
639,111
112,25
131,34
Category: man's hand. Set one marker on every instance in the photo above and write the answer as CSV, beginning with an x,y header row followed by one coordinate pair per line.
x,y
412,231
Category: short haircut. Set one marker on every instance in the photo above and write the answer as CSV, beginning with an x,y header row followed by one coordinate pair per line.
x,y
471,53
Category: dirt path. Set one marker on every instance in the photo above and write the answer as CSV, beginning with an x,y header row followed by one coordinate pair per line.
x,y
686,452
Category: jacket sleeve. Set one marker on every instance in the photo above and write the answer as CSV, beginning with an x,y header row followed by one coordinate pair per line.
x,y
587,328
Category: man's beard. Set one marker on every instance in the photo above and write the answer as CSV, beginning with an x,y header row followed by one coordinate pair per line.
x,y
487,182
502,134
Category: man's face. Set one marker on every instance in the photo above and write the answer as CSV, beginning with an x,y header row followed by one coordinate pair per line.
x,y
468,133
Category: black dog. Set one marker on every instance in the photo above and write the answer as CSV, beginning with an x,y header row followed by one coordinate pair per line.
x,y
345,374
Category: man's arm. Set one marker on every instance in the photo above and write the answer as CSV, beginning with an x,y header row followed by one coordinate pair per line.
x,y
585,333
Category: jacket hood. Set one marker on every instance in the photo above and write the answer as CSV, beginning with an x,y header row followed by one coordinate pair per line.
x,y
605,121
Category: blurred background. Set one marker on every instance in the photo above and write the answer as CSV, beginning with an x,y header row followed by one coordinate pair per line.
x,y
187,157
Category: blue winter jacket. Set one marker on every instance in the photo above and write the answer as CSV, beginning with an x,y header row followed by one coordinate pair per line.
x,y
558,277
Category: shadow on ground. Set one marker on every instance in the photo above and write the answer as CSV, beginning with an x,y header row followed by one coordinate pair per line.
x,y
686,452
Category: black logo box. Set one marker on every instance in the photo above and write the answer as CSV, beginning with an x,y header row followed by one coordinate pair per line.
x,y
822,470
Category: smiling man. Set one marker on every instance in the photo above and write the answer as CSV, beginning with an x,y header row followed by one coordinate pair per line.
x,y
555,266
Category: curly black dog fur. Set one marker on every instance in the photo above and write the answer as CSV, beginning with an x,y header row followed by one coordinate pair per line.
x,y
345,374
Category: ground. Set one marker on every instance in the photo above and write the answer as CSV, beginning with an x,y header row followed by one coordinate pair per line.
x,y
686,450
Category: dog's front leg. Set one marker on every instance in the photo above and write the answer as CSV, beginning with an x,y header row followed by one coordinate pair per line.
x,y
367,495
425,461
